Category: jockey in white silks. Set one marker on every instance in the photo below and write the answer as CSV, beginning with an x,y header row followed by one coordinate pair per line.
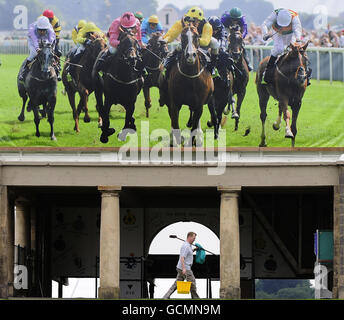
x,y
287,29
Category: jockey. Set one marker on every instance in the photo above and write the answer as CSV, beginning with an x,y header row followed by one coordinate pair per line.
x,y
82,41
204,28
150,26
77,29
126,22
39,30
55,23
139,16
236,17
220,35
287,29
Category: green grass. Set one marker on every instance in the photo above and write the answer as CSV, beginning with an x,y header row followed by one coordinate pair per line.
x,y
320,122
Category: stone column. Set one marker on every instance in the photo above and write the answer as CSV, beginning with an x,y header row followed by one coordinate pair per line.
x,y
229,243
109,262
338,238
6,245
22,223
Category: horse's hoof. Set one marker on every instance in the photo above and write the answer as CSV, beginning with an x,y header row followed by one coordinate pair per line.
x,y
21,118
209,124
104,138
87,119
38,134
100,125
122,136
275,126
289,134
53,138
263,145
226,111
235,115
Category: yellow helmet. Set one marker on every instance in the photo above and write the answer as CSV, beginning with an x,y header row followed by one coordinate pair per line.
x,y
153,19
81,24
91,27
196,13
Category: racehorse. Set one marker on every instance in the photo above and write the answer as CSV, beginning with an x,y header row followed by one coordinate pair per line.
x,y
241,71
83,83
40,86
289,87
223,92
122,84
190,83
153,57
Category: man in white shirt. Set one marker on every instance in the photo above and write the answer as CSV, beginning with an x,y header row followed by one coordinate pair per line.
x,y
184,265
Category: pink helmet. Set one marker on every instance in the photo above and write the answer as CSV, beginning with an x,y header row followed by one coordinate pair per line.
x,y
128,20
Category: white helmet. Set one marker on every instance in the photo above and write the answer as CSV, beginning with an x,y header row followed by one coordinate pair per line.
x,y
284,18
43,23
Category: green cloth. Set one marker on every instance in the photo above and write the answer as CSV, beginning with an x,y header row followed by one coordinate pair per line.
x,y
200,254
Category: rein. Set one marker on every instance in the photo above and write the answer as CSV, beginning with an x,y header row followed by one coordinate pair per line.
x,y
123,82
188,76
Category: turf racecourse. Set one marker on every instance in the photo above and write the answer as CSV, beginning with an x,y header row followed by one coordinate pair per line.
x,y
320,122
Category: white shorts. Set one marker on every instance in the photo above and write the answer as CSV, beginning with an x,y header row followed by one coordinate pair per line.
x,y
281,42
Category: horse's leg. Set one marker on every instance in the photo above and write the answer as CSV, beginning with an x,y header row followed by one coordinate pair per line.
x,y
148,101
51,110
296,109
214,120
277,124
173,111
36,118
99,105
195,139
189,124
263,101
22,113
71,98
43,112
283,105
87,118
129,108
105,113
240,99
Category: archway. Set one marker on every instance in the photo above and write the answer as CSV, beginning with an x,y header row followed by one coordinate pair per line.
x,y
162,244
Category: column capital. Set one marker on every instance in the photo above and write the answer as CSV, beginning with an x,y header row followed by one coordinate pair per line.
x,y
110,191
229,191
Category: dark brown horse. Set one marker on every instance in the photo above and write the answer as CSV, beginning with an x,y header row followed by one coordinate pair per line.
x,y
121,85
83,83
241,71
153,57
189,83
290,83
223,93
40,86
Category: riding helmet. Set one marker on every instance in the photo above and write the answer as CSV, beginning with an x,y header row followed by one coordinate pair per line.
x,y
215,22
43,23
128,20
49,14
153,19
196,13
235,13
284,18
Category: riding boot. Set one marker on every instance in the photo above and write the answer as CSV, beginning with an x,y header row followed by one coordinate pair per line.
x,y
103,60
58,69
74,60
213,64
250,68
169,62
270,68
24,71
